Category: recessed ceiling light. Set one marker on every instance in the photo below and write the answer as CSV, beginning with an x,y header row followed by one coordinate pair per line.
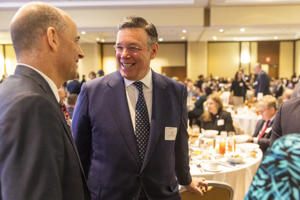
x,y
183,37
276,37
242,29
102,40
97,39
160,39
221,30
83,32
184,31
214,37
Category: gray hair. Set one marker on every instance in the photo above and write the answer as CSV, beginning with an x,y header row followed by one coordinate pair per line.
x,y
139,22
31,22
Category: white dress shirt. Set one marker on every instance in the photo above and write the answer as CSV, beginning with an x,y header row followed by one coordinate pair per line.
x,y
132,94
47,79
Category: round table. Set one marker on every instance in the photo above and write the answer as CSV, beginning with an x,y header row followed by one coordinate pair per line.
x,y
239,176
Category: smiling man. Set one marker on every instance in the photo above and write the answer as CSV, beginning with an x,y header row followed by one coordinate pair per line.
x,y
38,158
130,126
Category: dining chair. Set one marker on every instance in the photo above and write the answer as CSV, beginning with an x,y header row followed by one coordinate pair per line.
x,y
216,190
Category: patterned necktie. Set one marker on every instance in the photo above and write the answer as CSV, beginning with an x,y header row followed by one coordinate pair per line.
x,y
142,124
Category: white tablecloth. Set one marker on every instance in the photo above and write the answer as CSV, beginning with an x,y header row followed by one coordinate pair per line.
x,y
247,122
239,176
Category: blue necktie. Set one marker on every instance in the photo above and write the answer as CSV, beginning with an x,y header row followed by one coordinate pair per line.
x,y
142,124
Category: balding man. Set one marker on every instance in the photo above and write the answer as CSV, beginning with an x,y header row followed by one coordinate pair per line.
x,y
38,159
262,83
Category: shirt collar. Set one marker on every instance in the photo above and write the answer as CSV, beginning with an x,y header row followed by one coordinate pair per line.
x,y
47,79
147,80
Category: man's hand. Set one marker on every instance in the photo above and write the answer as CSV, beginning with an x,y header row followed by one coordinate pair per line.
x,y
199,187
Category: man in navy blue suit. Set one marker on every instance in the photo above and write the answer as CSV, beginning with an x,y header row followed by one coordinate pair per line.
x,y
131,136
262,83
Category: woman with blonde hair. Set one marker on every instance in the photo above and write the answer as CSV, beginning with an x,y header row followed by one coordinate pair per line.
x,y
215,118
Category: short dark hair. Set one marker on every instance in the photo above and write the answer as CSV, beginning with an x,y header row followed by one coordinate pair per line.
x,y
139,22
29,25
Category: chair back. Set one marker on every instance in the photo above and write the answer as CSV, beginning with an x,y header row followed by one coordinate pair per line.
x,y
216,191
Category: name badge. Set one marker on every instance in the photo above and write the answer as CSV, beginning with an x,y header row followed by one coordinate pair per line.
x,y
241,84
268,130
170,133
220,122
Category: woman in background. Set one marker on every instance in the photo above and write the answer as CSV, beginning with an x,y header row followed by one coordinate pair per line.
x,y
239,89
215,118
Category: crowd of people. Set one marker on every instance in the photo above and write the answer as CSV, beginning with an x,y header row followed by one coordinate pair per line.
x,y
122,136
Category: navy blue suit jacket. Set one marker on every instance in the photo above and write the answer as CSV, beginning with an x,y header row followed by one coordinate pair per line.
x,y
263,83
38,158
106,142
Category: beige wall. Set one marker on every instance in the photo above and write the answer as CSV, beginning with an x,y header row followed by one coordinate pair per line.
x,y
286,59
109,60
253,56
297,64
223,59
196,59
91,61
255,15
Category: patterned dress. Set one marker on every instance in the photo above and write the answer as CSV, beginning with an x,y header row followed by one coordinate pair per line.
x,y
278,176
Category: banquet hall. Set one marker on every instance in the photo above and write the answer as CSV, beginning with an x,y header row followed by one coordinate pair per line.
x,y
206,45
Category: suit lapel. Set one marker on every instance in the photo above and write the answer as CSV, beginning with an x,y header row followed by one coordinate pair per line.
x,y
35,76
120,111
158,110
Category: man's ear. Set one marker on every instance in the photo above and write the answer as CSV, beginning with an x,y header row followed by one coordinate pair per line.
x,y
52,38
154,50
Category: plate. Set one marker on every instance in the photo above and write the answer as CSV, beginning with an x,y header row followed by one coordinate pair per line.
x,y
211,166
210,133
247,147
241,138
235,158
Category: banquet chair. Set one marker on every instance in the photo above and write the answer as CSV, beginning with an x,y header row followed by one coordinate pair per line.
x,y
216,190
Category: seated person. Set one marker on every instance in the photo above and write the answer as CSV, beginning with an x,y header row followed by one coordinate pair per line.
x,y
198,109
215,118
267,107
278,176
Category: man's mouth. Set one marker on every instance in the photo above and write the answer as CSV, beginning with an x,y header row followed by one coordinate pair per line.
x,y
127,65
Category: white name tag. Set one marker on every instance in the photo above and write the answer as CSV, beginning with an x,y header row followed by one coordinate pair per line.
x,y
220,122
170,133
268,130
241,84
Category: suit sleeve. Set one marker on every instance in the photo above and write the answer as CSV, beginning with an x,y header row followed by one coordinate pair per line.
x,y
181,146
32,150
82,129
264,143
276,127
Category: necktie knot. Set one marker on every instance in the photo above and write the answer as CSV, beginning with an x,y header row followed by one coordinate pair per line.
x,y
139,85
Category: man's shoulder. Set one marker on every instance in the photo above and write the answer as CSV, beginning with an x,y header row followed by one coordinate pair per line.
x,y
166,80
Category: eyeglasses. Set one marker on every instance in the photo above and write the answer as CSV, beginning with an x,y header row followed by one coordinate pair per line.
x,y
130,49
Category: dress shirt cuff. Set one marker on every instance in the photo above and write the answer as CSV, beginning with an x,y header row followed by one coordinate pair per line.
x,y
255,140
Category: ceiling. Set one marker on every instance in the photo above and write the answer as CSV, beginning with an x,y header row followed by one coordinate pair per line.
x,y
251,32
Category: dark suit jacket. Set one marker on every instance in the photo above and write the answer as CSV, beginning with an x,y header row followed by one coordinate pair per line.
x,y
287,119
106,142
263,83
263,142
38,159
